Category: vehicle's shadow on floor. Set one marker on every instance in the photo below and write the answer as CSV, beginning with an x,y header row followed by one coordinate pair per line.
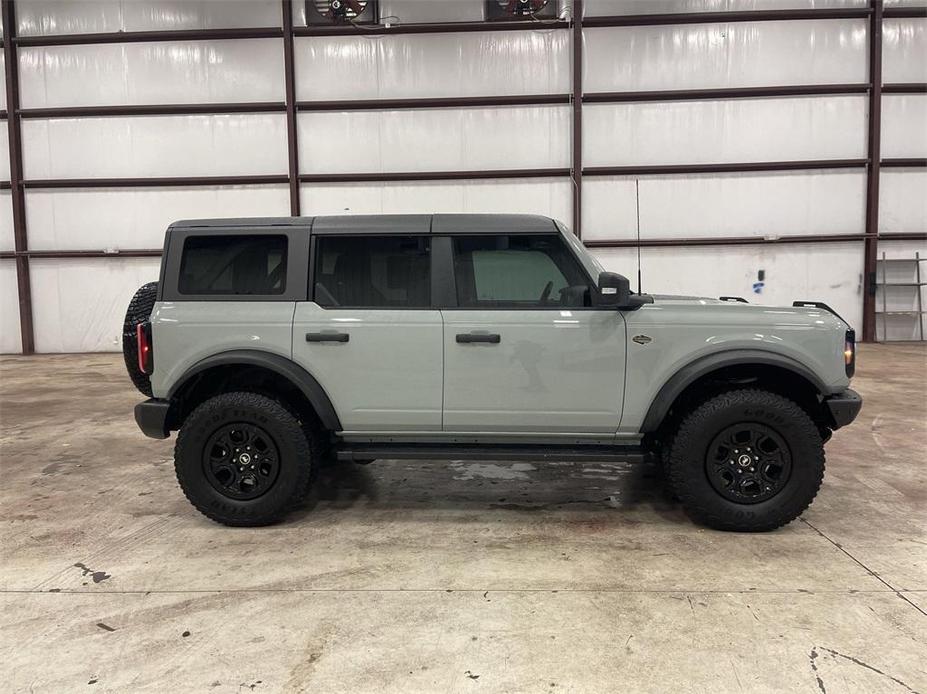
x,y
487,485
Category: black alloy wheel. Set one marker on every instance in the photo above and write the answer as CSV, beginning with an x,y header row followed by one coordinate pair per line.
x,y
748,463
241,460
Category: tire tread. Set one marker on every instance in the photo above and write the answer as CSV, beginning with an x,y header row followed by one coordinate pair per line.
x,y
683,441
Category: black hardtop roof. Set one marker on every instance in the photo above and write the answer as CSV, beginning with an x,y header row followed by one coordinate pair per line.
x,y
389,223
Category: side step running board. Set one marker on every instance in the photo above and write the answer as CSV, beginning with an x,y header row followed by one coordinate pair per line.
x,y
364,452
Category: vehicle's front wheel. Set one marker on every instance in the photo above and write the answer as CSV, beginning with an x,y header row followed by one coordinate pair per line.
x,y
746,460
243,459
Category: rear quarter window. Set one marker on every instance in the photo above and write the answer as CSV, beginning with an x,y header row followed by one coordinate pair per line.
x,y
239,265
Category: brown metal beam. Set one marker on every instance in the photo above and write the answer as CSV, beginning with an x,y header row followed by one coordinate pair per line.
x,y
289,76
905,88
740,167
597,243
437,102
712,17
725,241
428,28
152,110
156,182
871,248
914,163
576,173
433,175
904,12
18,196
731,93
149,36
137,253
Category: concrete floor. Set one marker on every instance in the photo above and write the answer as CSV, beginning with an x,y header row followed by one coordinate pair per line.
x,y
405,577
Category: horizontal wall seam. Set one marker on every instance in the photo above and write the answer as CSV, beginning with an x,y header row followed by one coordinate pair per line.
x,y
596,243
149,36
726,93
721,17
734,167
152,110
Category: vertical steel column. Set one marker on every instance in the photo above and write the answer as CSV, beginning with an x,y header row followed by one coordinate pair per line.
x,y
577,95
872,183
291,125
17,193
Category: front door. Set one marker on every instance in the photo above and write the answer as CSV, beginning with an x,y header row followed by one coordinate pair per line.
x,y
369,334
523,351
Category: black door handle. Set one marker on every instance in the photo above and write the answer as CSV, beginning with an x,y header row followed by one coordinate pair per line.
x,y
327,337
491,338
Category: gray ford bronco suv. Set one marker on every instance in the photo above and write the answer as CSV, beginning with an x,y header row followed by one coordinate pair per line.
x,y
276,345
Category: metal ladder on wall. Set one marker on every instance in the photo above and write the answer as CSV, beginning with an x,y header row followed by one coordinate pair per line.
x,y
917,285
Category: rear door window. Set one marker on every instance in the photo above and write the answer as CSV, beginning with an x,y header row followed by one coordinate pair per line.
x,y
233,265
373,272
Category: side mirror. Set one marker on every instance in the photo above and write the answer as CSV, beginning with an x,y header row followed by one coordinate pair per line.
x,y
614,290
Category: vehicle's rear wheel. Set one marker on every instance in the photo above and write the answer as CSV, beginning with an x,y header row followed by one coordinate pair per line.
x,y
243,459
138,312
746,460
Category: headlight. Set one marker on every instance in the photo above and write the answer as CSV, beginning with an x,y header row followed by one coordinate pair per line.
x,y
849,353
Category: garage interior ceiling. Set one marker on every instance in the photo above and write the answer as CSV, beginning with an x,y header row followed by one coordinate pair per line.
x,y
114,119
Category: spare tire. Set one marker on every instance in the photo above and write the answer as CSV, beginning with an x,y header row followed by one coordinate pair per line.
x,y
139,311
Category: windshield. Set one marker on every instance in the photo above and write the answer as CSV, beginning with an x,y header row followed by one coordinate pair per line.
x,y
585,257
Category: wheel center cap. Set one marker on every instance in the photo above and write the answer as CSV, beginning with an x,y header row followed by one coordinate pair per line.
x,y
245,458
744,460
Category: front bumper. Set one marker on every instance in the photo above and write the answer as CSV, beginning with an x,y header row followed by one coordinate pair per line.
x,y
843,407
151,417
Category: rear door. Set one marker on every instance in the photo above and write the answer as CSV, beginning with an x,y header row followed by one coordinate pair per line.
x,y
369,333
523,350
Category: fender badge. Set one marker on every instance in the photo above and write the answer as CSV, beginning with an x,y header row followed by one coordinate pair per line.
x,y
642,339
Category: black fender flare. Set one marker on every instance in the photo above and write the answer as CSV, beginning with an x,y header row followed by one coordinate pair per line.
x,y
694,370
294,373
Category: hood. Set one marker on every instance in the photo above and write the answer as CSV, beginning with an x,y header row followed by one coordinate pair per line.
x,y
743,309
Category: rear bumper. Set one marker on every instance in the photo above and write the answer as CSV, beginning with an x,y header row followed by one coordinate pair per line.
x,y
843,407
151,417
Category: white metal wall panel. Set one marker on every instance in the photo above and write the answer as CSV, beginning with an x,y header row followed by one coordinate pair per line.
x,y
433,65
550,197
768,204
79,304
6,221
135,218
698,56
619,7
416,11
155,146
43,17
10,338
2,84
829,272
903,201
434,139
738,130
904,50
904,125
152,73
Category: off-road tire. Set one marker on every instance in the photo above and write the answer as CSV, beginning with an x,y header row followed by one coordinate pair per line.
x,y
138,312
687,451
296,460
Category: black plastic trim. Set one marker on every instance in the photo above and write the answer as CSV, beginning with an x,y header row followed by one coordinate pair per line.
x,y
151,417
737,357
291,371
365,452
843,407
